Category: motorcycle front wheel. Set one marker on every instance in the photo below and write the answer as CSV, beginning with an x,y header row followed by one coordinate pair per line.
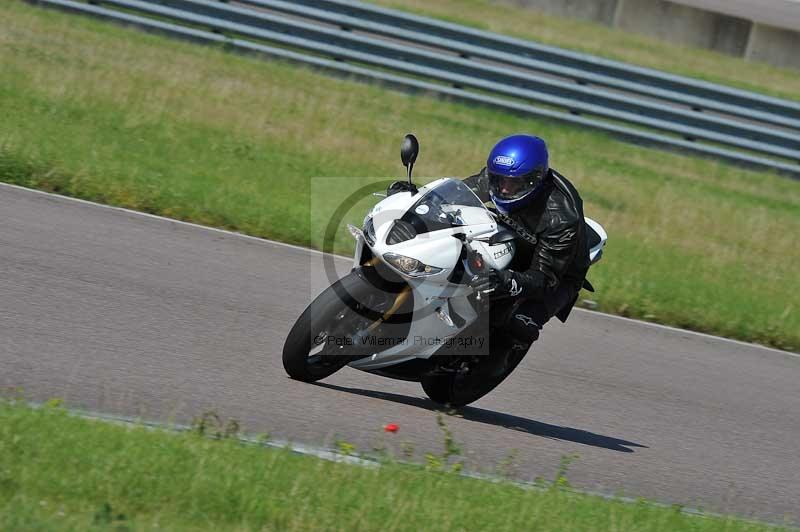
x,y
321,341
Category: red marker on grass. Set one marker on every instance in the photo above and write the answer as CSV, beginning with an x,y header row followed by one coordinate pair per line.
x,y
391,427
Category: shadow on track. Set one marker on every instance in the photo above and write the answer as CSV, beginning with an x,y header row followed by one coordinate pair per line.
x,y
498,419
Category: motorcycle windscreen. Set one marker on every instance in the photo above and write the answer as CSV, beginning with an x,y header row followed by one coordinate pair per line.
x,y
449,204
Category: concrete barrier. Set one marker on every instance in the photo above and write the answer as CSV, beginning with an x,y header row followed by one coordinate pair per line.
x,y
758,30
774,45
684,24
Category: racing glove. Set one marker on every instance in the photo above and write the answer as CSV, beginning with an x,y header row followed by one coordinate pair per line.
x,y
508,282
493,280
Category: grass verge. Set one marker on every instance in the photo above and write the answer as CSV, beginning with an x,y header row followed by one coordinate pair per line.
x,y
113,115
620,45
66,473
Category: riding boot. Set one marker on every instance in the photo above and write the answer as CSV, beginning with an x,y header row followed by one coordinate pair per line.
x,y
506,356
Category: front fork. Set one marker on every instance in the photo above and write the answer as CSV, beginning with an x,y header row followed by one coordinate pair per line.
x,y
368,267
401,298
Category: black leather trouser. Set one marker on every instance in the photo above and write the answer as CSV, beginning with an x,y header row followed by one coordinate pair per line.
x,y
528,316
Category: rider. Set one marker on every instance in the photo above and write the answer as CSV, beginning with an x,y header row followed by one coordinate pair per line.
x,y
552,254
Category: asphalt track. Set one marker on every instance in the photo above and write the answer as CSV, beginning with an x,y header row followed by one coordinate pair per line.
x,y
130,314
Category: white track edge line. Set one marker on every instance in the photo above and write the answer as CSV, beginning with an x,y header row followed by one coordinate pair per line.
x,y
166,219
687,331
340,257
297,448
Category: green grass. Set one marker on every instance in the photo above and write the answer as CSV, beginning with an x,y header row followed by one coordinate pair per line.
x,y
59,472
620,45
113,115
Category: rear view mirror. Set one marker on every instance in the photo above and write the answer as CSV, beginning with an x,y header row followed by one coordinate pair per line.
x,y
409,150
408,153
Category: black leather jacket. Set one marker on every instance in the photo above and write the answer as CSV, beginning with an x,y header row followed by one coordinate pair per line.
x,y
560,258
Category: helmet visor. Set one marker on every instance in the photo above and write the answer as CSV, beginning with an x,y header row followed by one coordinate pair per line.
x,y
511,188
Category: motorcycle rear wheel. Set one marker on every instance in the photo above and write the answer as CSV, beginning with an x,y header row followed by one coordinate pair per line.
x,y
459,390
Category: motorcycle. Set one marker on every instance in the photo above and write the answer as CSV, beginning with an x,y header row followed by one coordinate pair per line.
x,y
406,310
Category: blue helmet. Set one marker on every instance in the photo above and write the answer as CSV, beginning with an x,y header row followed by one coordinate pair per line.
x,y
517,168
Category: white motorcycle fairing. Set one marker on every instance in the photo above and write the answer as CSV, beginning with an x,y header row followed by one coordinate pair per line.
x,y
434,296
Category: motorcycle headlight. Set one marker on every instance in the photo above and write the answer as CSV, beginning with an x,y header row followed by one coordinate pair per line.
x,y
410,266
369,231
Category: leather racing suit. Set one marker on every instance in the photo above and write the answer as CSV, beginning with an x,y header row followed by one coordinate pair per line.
x,y
551,258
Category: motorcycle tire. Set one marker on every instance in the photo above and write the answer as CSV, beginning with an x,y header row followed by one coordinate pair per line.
x,y
459,390
316,322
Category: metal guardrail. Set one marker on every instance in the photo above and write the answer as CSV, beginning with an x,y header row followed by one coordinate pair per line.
x,y
500,79
680,85
378,51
